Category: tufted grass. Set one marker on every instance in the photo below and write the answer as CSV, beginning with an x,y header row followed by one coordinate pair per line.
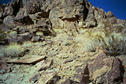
x,y
12,50
112,42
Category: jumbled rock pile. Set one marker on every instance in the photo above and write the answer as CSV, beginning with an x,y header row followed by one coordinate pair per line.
x,y
63,42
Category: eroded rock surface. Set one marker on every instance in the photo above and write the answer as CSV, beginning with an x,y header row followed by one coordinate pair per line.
x,y
63,42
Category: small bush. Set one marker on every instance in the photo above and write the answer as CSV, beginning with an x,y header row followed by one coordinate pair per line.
x,y
116,44
14,50
113,43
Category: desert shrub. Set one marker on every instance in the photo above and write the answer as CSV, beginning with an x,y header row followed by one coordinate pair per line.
x,y
14,50
113,43
116,44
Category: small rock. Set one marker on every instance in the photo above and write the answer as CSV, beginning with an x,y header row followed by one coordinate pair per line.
x,y
25,36
25,20
68,60
21,14
9,21
85,77
44,64
4,68
109,14
35,38
116,73
68,81
35,78
48,78
13,34
8,11
39,33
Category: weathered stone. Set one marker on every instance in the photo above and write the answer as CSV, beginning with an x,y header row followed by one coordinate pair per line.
x,y
9,21
102,70
4,68
16,5
116,73
33,6
12,36
5,11
8,11
22,30
42,6
48,78
35,78
54,80
25,20
43,22
85,76
109,14
113,20
35,38
90,19
71,59
43,65
4,27
27,60
68,81
21,14
64,14
41,19
82,75
39,33
26,36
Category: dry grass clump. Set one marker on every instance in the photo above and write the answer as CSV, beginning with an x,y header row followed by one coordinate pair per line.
x,y
2,36
114,43
12,50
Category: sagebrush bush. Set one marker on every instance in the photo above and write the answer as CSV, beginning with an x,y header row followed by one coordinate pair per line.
x,y
14,50
113,43
116,44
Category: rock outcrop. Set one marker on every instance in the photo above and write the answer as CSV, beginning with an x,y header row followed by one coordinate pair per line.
x,y
63,42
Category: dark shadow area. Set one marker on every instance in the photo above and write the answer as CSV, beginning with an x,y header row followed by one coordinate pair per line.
x,y
16,6
85,11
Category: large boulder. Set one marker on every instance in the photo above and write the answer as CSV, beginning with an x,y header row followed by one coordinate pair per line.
x,y
44,6
68,13
105,69
5,11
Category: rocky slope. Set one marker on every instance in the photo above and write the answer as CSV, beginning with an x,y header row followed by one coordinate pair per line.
x,y
60,42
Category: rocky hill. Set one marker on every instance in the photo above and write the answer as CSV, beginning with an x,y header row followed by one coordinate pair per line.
x,y
61,42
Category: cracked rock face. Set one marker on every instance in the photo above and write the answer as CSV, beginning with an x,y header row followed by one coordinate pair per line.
x,y
62,42
103,70
68,12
